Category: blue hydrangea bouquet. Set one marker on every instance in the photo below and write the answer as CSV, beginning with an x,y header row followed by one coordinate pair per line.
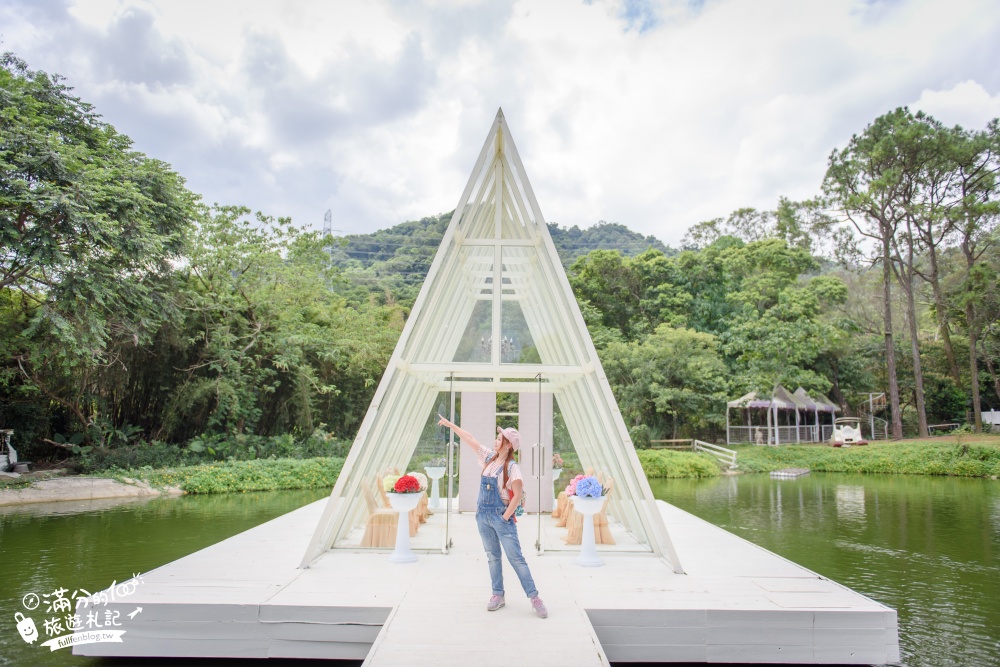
x,y
589,487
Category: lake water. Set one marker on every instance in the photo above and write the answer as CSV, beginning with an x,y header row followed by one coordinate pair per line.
x,y
926,546
49,546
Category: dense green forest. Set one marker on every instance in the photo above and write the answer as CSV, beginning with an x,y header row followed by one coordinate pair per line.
x,y
393,262
134,316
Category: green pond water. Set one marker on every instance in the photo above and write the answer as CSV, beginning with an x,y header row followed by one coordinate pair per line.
x,y
88,545
928,547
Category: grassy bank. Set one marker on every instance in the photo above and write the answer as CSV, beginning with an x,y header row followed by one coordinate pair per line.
x,y
661,463
282,474
960,456
242,476
963,456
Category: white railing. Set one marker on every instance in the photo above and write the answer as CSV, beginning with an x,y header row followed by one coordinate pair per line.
x,y
881,430
764,435
786,435
743,434
727,456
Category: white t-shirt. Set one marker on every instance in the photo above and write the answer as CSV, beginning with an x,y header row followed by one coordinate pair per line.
x,y
491,468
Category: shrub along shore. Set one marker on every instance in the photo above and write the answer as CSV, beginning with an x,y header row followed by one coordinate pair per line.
x,y
662,463
968,456
242,476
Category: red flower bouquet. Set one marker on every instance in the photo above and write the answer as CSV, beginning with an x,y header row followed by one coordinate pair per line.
x,y
407,484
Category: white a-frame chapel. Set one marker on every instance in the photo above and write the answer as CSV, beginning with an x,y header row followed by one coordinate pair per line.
x,y
497,277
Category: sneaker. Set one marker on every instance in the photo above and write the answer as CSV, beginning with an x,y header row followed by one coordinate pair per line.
x,y
539,607
495,603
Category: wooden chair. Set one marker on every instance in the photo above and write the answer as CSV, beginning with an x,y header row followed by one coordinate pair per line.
x,y
423,509
567,510
380,530
561,508
602,531
566,504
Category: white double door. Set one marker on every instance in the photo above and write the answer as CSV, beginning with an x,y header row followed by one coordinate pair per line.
x,y
534,422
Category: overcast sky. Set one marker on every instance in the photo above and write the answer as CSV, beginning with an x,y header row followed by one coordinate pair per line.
x,y
654,114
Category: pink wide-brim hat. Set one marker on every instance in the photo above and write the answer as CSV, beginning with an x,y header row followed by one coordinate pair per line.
x,y
513,437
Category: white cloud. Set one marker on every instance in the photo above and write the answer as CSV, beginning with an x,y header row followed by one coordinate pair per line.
x,y
653,114
967,104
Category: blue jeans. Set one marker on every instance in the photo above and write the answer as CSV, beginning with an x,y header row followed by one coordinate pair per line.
x,y
496,532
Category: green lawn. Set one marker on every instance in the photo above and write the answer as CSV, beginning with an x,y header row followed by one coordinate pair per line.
x,y
959,455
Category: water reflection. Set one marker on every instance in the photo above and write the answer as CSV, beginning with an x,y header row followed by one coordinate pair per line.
x,y
90,544
850,502
926,546
67,507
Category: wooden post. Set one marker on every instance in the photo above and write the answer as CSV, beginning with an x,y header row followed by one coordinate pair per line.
x,y
777,433
770,430
727,425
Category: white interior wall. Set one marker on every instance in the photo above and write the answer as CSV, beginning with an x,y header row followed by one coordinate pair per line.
x,y
536,449
479,417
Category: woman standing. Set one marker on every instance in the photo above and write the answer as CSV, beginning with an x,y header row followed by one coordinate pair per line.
x,y
500,482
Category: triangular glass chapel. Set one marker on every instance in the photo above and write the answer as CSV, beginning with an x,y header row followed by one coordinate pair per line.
x,y
496,328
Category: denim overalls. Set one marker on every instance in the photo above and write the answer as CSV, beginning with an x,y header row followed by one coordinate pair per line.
x,y
495,531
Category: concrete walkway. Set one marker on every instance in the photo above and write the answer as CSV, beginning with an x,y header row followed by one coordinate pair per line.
x,y
442,619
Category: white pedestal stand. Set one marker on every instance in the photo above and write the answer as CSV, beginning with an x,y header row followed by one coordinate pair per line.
x,y
435,473
588,507
404,503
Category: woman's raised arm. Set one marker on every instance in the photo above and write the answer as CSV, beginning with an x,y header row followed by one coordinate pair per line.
x,y
466,437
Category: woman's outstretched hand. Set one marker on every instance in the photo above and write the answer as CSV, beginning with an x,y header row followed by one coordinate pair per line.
x,y
466,437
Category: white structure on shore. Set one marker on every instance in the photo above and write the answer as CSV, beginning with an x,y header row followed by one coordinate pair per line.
x,y
783,418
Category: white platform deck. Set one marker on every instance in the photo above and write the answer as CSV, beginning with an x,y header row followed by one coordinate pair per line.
x,y
245,597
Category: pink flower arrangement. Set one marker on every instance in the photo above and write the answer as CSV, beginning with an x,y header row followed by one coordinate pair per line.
x,y
407,484
571,487
420,477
